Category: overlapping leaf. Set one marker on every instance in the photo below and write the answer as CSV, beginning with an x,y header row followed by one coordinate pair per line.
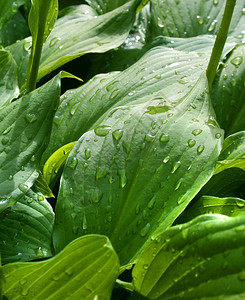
x,y
8,9
160,73
24,132
8,77
137,170
74,36
26,229
86,269
203,258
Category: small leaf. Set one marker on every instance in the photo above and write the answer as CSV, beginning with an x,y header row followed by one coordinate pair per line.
x,y
42,186
26,229
86,269
202,258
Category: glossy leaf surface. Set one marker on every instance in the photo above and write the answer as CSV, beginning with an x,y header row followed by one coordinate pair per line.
x,y
86,269
26,229
24,133
196,260
137,170
8,9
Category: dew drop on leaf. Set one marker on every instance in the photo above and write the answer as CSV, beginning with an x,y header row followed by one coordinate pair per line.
x,y
23,187
237,61
196,131
72,163
164,138
178,184
145,230
176,167
117,134
87,153
200,149
122,178
84,224
33,158
218,135
137,209
200,20
23,281
30,118
212,26
102,130
96,195
5,140
166,159
191,143
114,94
101,172
151,203
149,138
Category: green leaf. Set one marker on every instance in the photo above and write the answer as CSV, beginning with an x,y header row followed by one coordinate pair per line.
x,y
24,133
26,229
74,36
233,153
55,164
229,206
228,92
86,269
137,170
187,19
197,260
161,73
8,74
43,187
8,9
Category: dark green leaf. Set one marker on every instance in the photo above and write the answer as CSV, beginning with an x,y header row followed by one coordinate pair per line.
x,y
228,92
86,269
8,77
138,170
202,259
26,229
24,133
8,9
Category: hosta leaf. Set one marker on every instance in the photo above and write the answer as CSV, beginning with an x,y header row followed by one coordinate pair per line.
x,y
228,183
202,259
8,74
137,170
74,36
160,73
8,9
24,132
228,92
229,206
86,269
26,229
233,153
176,18
42,186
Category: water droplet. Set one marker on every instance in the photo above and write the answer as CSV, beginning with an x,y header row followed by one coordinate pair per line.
x,y
122,178
145,230
33,158
158,76
151,203
87,153
53,41
23,187
102,130
39,252
191,143
200,20
149,138
181,200
114,94
117,134
237,61
10,177
243,11
183,81
5,140
30,118
176,167
218,135
73,108
164,138
40,197
23,281
96,195
6,131
178,184
131,93
196,131
101,172
85,165
200,149
166,159
24,292
145,267
84,225
215,2
152,110
212,26
72,163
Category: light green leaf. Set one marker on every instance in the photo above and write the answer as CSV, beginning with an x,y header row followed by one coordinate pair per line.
x,y
202,259
228,92
8,9
55,164
86,269
24,133
233,153
137,170
187,18
42,186
26,229
161,73
74,36
229,206
8,77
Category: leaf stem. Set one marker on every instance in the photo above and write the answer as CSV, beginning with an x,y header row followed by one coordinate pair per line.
x,y
220,41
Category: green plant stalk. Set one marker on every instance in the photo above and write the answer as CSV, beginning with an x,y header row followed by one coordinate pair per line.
x,y
36,50
220,41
